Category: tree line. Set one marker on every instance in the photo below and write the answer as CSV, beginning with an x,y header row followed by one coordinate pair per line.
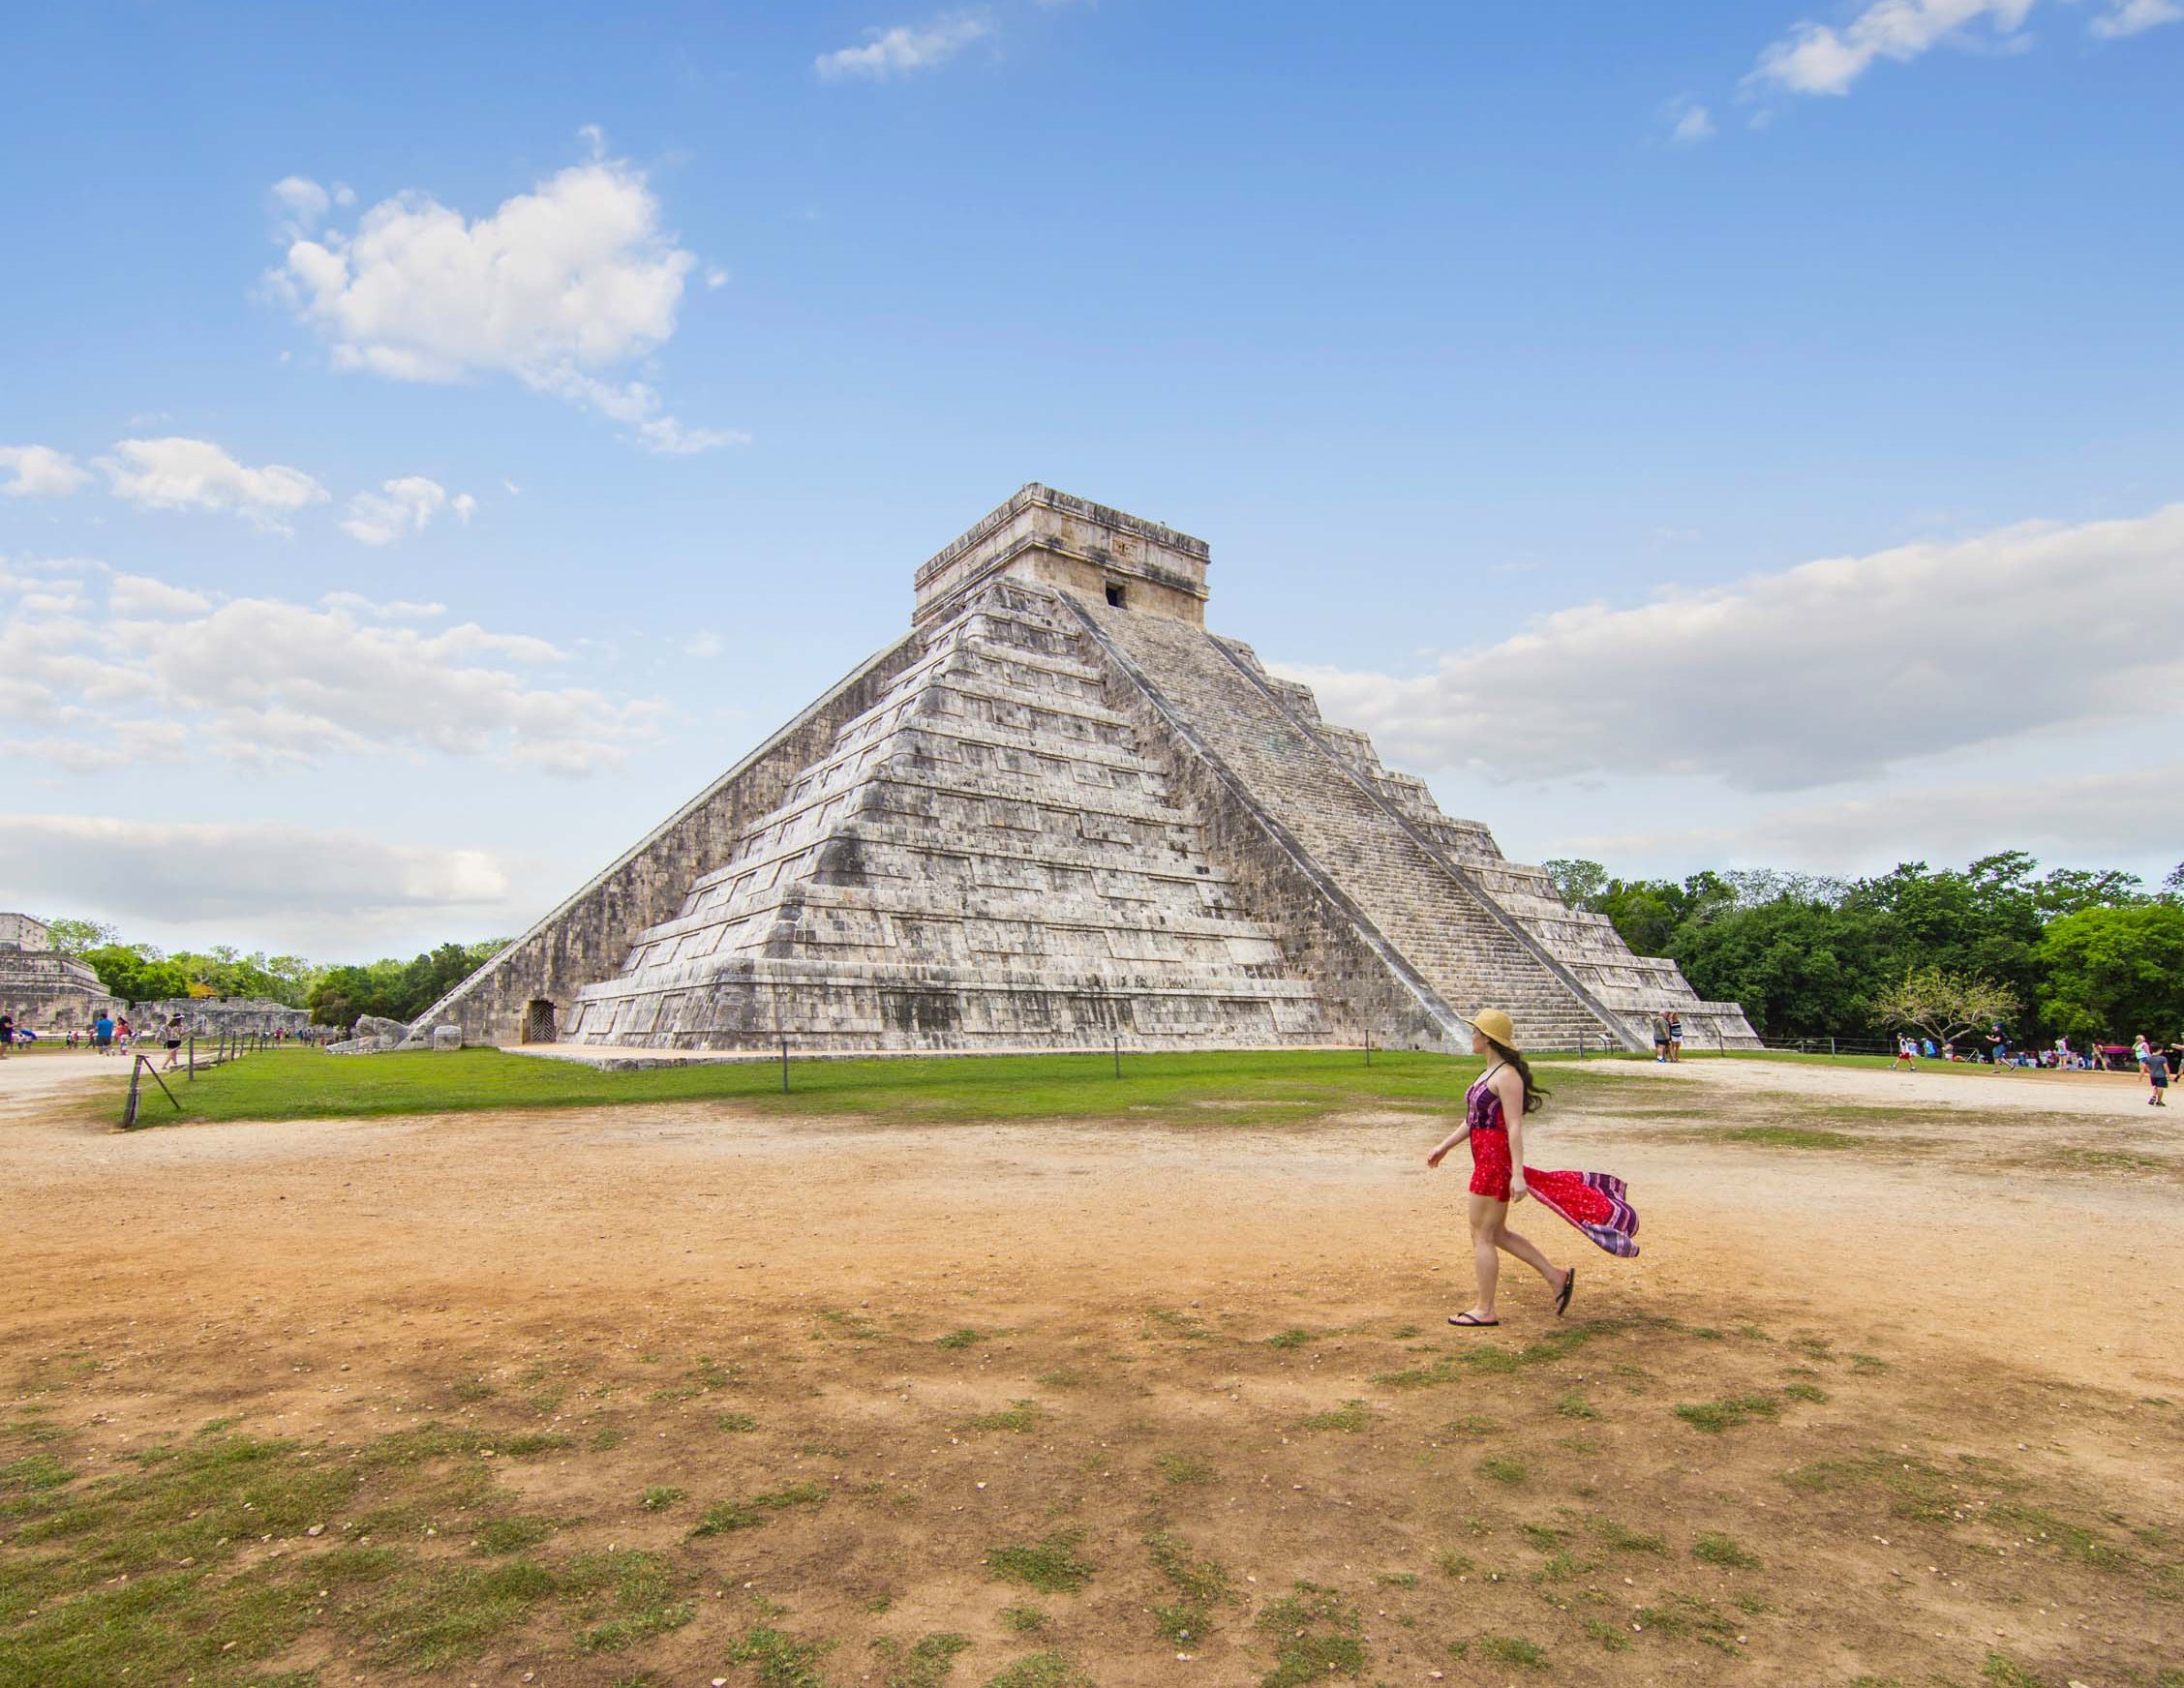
x,y
2087,954
392,988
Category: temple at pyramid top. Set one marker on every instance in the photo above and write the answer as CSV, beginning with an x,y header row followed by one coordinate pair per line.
x,y
1041,534
1057,812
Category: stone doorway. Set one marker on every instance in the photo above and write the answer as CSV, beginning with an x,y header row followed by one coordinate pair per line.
x,y
539,1025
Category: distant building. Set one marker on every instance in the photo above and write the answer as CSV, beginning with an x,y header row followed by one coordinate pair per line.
x,y
44,990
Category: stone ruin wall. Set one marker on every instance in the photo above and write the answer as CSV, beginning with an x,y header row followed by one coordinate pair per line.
x,y
47,991
208,1016
588,936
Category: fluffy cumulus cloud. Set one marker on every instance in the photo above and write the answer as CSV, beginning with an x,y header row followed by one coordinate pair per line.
x,y
1832,670
2135,16
179,871
2103,817
1814,58
403,506
1689,122
903,50
178,473
1817,58
561,287
39,472
155,670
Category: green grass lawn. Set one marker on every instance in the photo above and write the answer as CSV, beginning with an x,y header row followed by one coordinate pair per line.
x,y
1230,1088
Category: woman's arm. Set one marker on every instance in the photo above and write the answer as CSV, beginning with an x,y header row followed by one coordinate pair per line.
x,y
1510,1089
1449,1142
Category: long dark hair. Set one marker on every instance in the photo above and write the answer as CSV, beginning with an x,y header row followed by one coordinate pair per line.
x,y
1534,1094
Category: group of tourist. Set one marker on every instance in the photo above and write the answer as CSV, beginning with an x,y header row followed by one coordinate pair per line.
x,y
1668,1037
2156,1063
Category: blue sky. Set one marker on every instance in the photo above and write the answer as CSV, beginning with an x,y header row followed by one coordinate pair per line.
x,y
1692,436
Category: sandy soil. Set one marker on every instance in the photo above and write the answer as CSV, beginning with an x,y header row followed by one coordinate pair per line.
x,y
333,1279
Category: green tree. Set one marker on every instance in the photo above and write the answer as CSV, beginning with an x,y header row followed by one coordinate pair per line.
x,y
1577,882
1942,1005
74,936
2113,972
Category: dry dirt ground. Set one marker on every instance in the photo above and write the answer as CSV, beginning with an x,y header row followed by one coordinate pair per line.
x,y
674,1396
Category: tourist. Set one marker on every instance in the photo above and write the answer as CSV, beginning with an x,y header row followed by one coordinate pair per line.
x,y
1998,1048
7,1034
122,1034
1906,1052
103,1033
2157,1075
1494,1111
2141,1049
1675,1036
1660,1038
173,1041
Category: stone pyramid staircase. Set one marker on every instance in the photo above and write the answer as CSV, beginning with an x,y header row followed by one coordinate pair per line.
x,y
982,858
1464,952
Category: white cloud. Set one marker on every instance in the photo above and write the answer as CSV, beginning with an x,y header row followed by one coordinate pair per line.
x,y
176,473
716,277
261,681
1689,122
39,472
905,48
402,507
182,871
1831,671
136,595
1814,58
553,287
394,610
2135,16
2105,817
703,645
302,203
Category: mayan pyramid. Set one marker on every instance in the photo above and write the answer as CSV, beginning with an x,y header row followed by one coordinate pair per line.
x,y
1055,814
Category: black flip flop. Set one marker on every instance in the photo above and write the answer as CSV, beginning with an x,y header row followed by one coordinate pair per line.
x,y
1562,1301
1463,1321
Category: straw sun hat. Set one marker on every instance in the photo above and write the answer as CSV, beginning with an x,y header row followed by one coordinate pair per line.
x,y
1497,1025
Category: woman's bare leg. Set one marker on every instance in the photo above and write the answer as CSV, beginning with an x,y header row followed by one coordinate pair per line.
x,y
1488,1218
1527,1251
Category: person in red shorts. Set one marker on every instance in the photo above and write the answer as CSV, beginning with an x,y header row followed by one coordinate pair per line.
x,y
1494,1111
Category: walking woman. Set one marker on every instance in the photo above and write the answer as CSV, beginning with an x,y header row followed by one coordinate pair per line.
x,y
1494,1111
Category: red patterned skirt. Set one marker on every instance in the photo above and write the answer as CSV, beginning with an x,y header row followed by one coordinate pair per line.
x,y
1594,1202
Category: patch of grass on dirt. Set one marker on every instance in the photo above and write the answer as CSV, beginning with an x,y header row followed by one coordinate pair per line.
x,y
2002,1672
1296,1337
725,1516
1716,1416
659,1497
1315,1636
1575,1405
1200,1583
513,1534
1619,1539
927,1664
1050,1565
1501,1468
778,1659
1023,1619
1017,1417
1792,1138
1185,1470
735,1424
965,1337
1349,1418
1047,1670
1712,1547
1525,1655
1811,1392
625,1598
